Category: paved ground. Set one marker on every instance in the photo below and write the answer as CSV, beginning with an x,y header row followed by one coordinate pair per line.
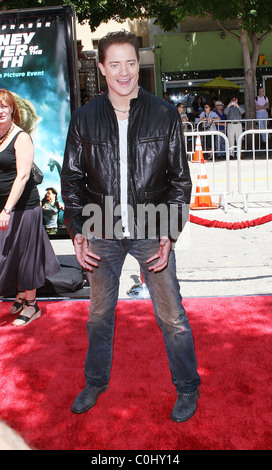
x,y
218,262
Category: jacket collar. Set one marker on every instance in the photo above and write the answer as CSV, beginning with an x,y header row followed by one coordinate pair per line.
x,y
133,102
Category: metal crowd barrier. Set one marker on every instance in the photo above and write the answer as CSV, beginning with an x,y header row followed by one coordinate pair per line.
x,y
265,165
247,125
249,148
189,142
223,193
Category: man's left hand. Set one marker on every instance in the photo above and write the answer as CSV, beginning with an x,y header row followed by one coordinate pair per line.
x,y
162,256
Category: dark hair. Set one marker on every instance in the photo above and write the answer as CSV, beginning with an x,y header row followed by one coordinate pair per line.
x,y
6,96
54,191
118,37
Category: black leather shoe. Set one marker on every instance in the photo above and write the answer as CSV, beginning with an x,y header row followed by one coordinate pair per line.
x,y
185,406
87,398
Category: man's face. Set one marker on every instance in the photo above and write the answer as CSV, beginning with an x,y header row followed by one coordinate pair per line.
x,y
121,70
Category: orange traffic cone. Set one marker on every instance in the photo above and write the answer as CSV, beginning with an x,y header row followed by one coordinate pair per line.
x,y
203,201
198,155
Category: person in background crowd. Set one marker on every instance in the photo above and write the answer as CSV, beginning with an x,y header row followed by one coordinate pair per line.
x,y
234,113
198,108
208,117
144,161
50,209
26,255
262,106
183,115
166,97
221,127
212,99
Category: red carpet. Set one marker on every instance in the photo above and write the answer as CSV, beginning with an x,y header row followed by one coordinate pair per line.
x,y
42,372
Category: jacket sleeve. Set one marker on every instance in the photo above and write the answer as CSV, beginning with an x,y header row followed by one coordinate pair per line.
x,y
73,181
179,180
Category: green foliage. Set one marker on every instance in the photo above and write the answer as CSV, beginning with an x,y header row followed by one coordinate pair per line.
x,y
253,15
254,19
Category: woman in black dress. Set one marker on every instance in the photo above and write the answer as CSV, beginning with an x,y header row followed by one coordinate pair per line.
x,y
26,255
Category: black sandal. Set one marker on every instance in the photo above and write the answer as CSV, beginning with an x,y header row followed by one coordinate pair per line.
x,y
18,304
24,319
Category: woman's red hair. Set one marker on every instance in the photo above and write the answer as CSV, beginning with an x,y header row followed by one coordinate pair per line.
x,y
6,96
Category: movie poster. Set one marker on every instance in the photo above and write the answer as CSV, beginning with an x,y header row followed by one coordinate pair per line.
x,y
37,65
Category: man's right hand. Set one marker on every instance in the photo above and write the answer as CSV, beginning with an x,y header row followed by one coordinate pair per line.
x,y
85,257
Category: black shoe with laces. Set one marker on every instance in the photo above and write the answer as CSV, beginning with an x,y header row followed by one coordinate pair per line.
x,y
185,406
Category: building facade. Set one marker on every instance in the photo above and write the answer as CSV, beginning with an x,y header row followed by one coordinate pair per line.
x,y
180,62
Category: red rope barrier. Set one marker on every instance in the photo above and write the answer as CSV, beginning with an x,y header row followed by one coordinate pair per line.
x,y
230,225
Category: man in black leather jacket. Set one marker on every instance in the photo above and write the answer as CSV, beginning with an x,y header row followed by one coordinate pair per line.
x,y
125,185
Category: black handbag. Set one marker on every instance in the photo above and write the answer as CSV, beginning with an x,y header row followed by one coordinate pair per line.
x,y
37,174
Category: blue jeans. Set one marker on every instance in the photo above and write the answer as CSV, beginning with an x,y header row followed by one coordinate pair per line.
x,y
220,146
167,302
262,123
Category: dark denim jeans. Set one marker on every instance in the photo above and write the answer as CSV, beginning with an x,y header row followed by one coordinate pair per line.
x,y
167,302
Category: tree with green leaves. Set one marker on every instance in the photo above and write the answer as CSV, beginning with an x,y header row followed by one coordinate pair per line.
x,y
254,22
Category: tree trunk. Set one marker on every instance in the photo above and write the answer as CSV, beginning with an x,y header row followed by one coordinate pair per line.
x,y
250,64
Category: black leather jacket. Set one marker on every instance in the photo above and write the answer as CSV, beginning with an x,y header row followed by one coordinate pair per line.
x,y
158,170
